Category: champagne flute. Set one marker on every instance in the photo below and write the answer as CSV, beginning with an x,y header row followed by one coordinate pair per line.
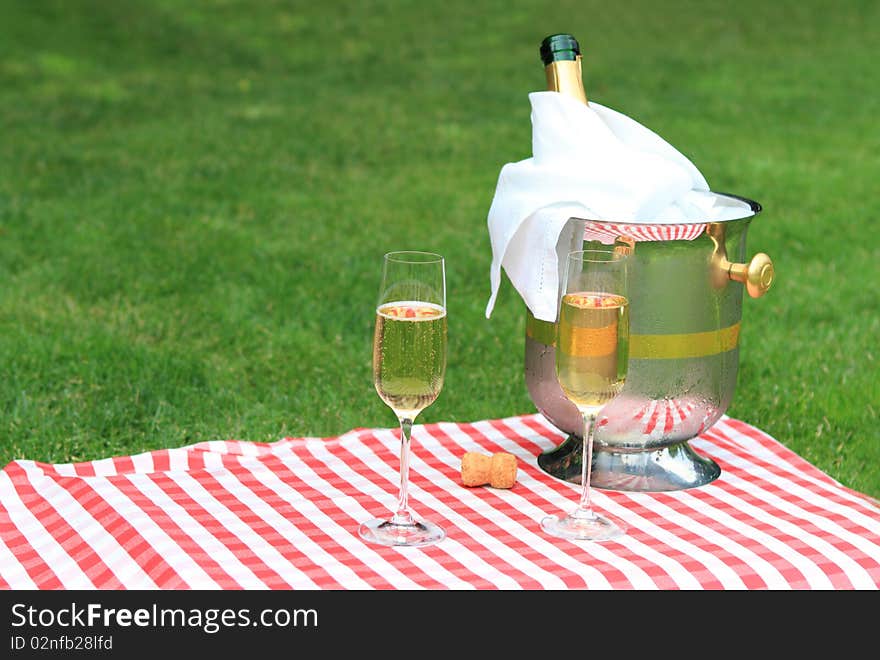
x,y
409,364
592,351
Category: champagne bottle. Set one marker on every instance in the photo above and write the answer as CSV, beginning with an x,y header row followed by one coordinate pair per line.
x,y
561,55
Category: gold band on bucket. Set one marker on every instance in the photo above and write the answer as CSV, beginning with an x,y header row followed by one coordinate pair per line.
x,y
657,347
543,332
687,345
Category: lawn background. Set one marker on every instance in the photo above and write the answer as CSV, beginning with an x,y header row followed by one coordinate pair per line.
x,y
195,198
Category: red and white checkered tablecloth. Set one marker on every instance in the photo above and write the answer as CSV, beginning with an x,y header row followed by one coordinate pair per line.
x,y
284,515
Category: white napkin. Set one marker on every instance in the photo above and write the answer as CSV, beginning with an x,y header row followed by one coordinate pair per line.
x,y
588,162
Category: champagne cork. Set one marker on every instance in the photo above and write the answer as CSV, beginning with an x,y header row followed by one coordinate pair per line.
x,y
497,470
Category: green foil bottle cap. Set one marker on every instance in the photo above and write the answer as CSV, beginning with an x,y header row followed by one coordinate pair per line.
x,y
559,47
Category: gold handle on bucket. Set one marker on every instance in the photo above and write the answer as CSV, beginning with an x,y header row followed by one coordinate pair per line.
x,y
757,275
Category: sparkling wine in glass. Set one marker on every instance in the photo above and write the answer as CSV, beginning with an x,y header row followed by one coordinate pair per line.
x,y
592,351
409,364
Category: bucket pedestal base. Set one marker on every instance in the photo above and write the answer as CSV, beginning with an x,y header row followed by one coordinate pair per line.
x,y
674,467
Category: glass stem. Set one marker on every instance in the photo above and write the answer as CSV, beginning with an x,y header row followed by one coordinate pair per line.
x,y
403,516
587,463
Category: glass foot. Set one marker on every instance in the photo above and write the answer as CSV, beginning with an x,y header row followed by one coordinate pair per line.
x,y
583,526
387,532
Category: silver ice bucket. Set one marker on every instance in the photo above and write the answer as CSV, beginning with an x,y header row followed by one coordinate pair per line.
x,y
686,290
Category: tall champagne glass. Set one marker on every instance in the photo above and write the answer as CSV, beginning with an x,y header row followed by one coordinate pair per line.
x,y
409,364
592,351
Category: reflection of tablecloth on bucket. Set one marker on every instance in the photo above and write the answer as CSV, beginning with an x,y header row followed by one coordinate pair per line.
x,y
285,515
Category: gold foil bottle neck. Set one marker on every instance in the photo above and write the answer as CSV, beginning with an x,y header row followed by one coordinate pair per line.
x,y
565,76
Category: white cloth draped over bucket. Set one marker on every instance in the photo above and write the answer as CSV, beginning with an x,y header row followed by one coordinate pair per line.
x,y
588,162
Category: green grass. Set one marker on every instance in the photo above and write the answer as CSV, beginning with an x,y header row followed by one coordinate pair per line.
x,y
194,200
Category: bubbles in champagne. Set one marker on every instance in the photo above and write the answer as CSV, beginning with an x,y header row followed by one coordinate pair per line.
x,y
592,347
409,355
